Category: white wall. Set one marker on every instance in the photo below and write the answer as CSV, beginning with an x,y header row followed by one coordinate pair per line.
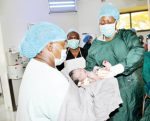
x,y
87,15
17,14
3,75
127,3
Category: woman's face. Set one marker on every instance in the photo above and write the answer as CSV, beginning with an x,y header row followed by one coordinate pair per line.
x,y
107,20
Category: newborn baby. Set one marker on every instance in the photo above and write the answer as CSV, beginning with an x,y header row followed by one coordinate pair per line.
x,y
94,98
82,77
99,91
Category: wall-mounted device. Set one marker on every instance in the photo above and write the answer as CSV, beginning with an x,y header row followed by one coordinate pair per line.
x,y
16,68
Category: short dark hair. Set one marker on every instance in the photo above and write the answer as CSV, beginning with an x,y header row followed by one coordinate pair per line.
x,y
76,81
75,33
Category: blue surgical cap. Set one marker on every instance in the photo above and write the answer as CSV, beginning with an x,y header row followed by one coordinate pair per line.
x,y
108,10
38,36
87,38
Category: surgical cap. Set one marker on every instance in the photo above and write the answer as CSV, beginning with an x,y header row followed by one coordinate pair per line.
x,y
108,10
87,38
38,36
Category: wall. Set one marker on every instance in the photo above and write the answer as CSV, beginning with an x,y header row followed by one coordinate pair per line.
x,y
3,74
87,15
17,14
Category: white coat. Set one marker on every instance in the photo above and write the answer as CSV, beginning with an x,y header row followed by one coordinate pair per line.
x,y
42,92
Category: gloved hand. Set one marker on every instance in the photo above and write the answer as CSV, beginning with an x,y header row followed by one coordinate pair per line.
x,y
115,70
93,76
95,69
103,72
107,65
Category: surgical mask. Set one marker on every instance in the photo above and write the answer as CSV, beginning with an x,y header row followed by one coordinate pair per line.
x,y
73,43
62,59
108,30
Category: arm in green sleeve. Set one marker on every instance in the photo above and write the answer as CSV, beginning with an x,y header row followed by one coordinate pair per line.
x,y
146,67
90,62
134,59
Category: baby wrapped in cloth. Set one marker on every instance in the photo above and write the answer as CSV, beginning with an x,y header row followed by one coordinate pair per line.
x,y
92,100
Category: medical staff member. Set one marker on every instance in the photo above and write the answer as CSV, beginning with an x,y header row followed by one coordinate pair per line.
x,y
122,48
43,87
146,77
75,55
88,41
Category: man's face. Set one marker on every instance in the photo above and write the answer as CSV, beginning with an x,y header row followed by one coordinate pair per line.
x,y
57,48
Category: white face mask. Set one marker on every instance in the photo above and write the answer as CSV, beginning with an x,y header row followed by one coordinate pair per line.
x,y
73,43
62,59
108,29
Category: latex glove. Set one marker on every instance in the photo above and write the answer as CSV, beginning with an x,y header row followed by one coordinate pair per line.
x,y
107,64
115,70
102,73
93,76
95,69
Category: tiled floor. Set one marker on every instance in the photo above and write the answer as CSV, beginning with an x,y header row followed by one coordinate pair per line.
x,y
6,115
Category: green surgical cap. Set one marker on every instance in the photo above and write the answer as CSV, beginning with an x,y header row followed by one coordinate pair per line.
x,y
108,10
38,36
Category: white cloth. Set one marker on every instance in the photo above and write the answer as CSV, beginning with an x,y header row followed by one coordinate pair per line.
x,y
114,70
42,93
75,63
72,64
91,103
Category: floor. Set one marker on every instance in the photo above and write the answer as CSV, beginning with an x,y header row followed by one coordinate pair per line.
x,y
6,115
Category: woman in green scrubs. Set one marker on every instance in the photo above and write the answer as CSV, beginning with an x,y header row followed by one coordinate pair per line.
x,y
122,48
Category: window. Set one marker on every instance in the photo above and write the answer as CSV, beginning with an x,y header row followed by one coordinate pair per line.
x,y
58,6
124,21
138,20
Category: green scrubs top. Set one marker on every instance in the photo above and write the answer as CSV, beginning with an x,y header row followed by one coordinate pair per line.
x,y
146,72
146,77
125,48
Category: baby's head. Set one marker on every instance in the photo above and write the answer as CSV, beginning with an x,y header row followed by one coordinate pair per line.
x,y
78,75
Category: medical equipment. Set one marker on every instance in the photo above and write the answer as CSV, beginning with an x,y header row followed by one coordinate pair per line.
x,y
16,67
16,64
